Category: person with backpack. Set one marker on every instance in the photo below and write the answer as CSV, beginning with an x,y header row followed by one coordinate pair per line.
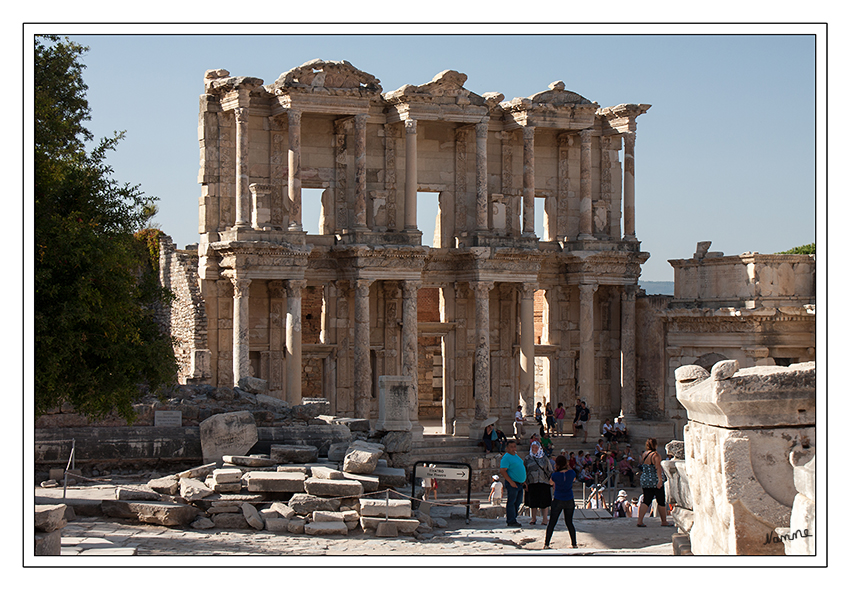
x,y
652,482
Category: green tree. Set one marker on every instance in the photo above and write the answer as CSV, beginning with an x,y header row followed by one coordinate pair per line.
x,y
97,345
805,249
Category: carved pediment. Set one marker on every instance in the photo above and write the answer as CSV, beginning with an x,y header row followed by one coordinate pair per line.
x,y
556,96
323,76
447,86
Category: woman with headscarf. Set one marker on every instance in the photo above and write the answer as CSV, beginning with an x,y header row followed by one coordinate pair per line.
x,y
539,495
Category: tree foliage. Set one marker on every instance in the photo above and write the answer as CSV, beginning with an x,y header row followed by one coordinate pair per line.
x,y
96,283
805,249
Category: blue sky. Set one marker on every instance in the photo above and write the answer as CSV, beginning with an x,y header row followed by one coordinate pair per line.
x,y
726,153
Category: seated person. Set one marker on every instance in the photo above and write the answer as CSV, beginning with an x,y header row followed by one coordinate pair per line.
x,y
502,440
620,431
626,470
600,447
584,476
546,442
491,439
572,460
608,430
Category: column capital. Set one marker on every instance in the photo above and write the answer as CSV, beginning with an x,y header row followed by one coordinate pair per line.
x,y
586,135
410,287
481,289
361,285
360,120
240,286
276,290
527,290
629,137
527,133
293,116
241,114
629,292
481,128
410,126
588,288
293,287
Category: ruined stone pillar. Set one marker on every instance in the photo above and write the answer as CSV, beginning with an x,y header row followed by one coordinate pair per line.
x,y
360,171
294,170
362,355
410,348
293,340
586,202
526,345
481,200
528,181
411,179
587,352
243,202
481,290
241,363
627,349
629,186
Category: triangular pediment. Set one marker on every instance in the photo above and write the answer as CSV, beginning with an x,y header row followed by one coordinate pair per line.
x,y
447,85
323,76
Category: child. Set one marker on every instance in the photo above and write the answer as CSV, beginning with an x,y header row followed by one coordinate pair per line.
x,y
496,492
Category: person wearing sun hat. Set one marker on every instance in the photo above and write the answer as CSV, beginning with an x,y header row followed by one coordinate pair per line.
x,y
622,507
496,491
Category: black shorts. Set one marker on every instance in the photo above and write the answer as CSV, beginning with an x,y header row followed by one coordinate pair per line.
x,y
657,493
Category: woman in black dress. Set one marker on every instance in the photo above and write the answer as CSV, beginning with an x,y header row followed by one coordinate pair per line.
x,y
539,496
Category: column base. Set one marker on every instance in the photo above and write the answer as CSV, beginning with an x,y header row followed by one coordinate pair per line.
x,y
630,238
460,427
585,237
417,431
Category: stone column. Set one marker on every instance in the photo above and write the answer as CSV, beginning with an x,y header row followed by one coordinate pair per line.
x,y
586,203
482,204
294,170
526,345
293,340
587,351
360,171
411,179
241,363
629,186
481,290
243,202
528,181
627,349
410,348
362,355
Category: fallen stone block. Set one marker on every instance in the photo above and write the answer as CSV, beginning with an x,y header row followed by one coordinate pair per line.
x,y
249,460
359,460
254,385
197,472
304,504
162,513
202,523
192,489
48,543
49,517
404,526
274,481
252,516
277,525
327,516
370,483
326,473
296,525
267,513
226,475
326,528
294,453
336,451
396,508
350,515
223,509
293,469
491,511
284,510
227,488
333,487
168,485
386,529
230,521
232,433
390,477
130,495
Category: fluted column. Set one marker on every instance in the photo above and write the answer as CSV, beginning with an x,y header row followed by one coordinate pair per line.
x,y
585,227
411,178
241,362
481,199
293,340
362,355
629,186
294,170
410,345
587,350
360,171
528,181
481,290
627,349
526,345
243,202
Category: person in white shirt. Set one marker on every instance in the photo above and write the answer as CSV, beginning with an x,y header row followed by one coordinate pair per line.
x,y
519,419
496,491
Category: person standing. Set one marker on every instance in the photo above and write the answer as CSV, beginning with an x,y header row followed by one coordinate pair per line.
x,y
562,480
519,420
539,497
575,419
512,470
652,482
583,417
550,419
560,414
538,417
496,492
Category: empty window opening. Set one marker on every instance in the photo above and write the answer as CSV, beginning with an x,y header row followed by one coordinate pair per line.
x,y
311,210
427,214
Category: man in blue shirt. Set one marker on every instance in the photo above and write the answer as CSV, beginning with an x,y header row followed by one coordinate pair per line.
x,y
512,469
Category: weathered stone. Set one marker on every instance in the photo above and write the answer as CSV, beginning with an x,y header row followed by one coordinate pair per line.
x,y
391,477
304,504
336,451
397,442
254,385
165,485
333,487
294,453
49,517
293,469
48,543
405,526
129,494
202,523
226,476
231,520
252,516
386,529
223,509
192,489
724,370
296,525
394,393
327,516
326,473
370,483
162,513
678,489
283,509
198,472
227,488
274,481
250,460
676,449
277,525
279,405
396,508
326,528
233,433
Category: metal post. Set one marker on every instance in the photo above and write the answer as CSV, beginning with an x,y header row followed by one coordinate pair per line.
x,y
387,515
70,465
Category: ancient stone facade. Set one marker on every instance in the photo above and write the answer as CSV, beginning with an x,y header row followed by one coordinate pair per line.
x,y
757,309
327,125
